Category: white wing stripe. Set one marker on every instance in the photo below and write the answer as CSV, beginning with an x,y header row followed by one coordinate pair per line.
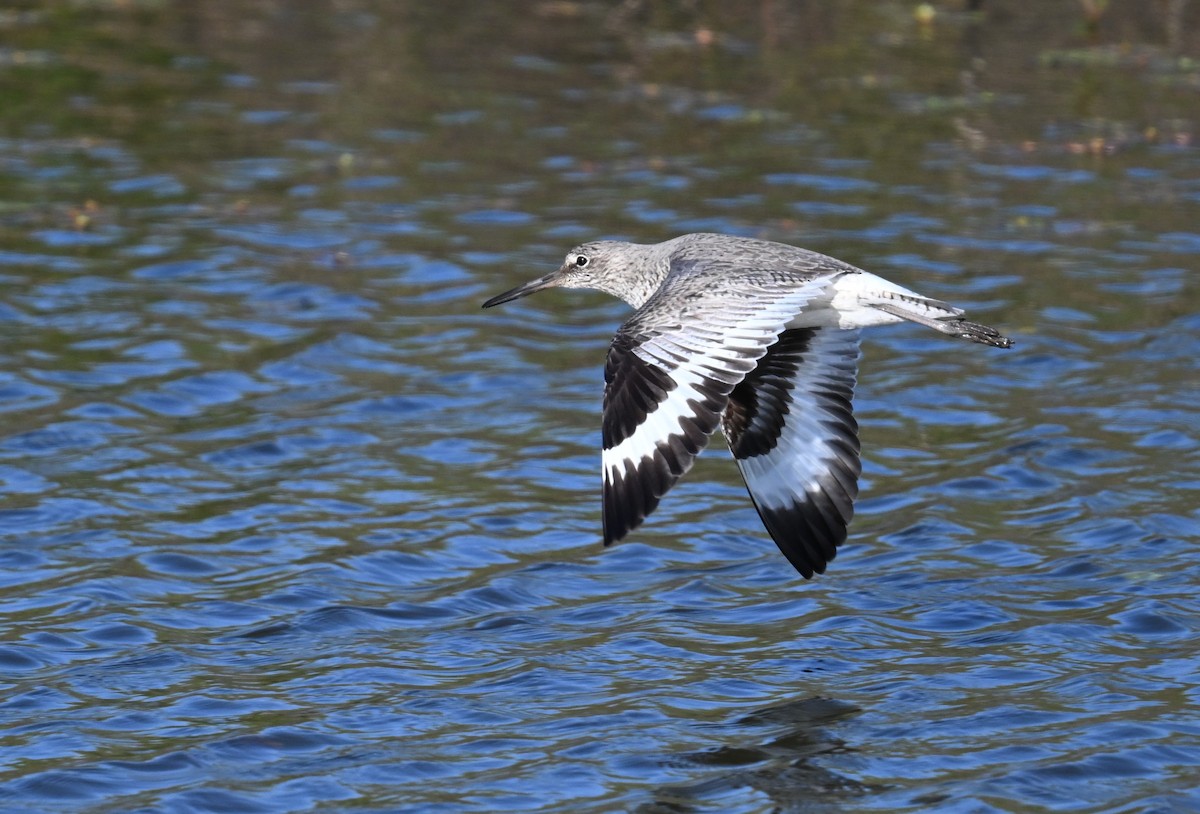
x,y
792,433
658,425
806,444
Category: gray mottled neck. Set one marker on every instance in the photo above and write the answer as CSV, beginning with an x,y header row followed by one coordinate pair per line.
x,y
634,271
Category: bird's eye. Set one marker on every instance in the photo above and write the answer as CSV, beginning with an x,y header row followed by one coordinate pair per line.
x,y
581,260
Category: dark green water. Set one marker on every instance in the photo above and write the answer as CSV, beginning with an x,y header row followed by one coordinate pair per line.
x,y
288,524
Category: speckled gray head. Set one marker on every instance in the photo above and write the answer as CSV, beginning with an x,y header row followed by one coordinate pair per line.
x,y
630,271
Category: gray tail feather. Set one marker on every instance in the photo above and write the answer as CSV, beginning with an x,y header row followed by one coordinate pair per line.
x,y
952,324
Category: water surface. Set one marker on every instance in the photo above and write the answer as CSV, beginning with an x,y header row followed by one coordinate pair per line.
x,y
288,524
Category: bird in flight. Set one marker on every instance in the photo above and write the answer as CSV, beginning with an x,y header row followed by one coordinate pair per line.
x,y
758,338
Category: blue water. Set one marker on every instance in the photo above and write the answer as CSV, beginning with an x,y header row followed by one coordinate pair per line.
x,y
287,523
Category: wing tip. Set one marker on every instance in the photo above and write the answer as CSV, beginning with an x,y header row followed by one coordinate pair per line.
x,y
626,501
809,547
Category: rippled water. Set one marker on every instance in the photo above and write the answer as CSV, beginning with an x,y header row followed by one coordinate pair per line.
x,y
287,523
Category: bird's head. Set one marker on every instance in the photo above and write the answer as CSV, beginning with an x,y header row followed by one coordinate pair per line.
x,y
586,266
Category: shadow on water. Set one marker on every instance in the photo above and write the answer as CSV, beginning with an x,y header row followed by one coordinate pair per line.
x,y
288,524
775,763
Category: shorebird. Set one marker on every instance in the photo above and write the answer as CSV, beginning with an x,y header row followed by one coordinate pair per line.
x,y
756,337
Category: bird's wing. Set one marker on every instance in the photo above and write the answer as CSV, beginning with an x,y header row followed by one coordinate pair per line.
x,y
669,373
790,427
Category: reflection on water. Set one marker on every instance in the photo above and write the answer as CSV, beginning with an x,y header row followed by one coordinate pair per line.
x,y
286,523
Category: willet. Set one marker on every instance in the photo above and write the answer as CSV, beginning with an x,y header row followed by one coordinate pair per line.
x,y
759,338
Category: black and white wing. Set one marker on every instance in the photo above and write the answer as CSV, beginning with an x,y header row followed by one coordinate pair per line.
x,y
669,373
790,427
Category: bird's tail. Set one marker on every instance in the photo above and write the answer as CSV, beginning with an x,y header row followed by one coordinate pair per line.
x,y
942,317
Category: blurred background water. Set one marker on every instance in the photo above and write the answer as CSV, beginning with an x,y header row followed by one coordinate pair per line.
x,y
288,524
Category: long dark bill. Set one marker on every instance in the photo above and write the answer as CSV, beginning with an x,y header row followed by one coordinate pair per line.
x,y
525,289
